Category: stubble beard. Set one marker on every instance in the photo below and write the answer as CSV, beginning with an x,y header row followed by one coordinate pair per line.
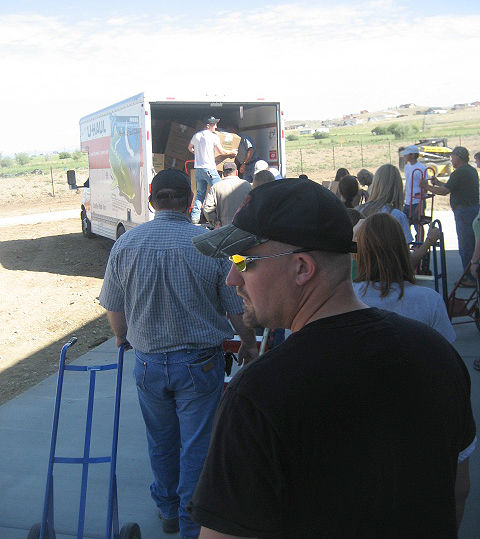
x,y
250,317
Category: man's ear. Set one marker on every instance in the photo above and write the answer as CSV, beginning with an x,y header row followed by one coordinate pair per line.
x,y
306,268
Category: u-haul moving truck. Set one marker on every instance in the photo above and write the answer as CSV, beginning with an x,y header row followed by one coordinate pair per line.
x,y
127,143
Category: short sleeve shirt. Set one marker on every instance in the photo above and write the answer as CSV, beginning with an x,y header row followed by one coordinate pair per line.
x,y
204,143
463,187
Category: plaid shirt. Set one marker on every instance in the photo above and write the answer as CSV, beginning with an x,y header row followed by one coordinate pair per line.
x,y
173,297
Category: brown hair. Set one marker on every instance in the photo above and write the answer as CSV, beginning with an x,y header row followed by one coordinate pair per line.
x,y
386,190
382,254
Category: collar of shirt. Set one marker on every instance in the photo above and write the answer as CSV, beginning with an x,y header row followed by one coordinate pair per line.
x,y
171,215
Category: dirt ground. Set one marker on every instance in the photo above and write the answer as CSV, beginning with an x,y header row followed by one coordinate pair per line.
x,y
50,279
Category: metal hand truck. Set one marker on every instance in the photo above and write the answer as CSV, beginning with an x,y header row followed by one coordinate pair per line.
x,y
46,529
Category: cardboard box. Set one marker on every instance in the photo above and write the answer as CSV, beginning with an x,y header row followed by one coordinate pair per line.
x,y
173,162
158,160
229,141
179,138
221,159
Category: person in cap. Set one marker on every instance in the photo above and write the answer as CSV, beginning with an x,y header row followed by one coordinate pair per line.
x,y
353,426
261,177
203,146
170,303
224,198
263,165
414,173
462,187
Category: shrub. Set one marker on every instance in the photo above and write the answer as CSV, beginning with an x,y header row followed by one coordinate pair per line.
x,y
76,155
292,136
64,155
379,130
403,130
6,162
22,158
319,134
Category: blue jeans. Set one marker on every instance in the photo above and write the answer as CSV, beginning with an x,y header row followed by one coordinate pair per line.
x,y
178,394
203,178
464,216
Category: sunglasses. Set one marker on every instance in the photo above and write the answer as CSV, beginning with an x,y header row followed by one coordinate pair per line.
x,y
241,262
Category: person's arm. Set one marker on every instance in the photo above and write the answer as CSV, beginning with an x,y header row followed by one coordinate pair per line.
x,y
248,349
432,237
206,533
222,151
247,159
462,488
437,187
118,323
191,148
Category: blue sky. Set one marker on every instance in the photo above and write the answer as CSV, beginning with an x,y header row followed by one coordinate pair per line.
x,y
62,61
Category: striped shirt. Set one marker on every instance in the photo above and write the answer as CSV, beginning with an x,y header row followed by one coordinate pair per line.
x,y
173,297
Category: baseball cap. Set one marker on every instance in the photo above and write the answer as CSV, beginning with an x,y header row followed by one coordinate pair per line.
x,y
229,165
260,165
211,120
296,211
462,153
171,178
410,149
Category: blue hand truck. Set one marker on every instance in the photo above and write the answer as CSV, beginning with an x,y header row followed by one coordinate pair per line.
x,y
46,529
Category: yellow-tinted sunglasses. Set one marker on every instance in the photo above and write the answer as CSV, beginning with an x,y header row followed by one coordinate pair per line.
x,y
241,262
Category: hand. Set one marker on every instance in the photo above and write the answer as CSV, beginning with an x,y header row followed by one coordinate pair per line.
x,y
242,168
474,270
246,354
433,235
123,340
233,153
424,183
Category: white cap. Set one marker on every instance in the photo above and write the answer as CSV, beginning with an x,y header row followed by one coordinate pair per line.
x,y
260,165
410,149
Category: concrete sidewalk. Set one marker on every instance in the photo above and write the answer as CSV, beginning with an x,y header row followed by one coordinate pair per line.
x,y
25,430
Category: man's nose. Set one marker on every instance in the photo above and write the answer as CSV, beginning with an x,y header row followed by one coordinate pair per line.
x,y
234,277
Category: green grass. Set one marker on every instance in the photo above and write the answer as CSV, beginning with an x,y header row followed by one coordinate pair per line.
x,y
44,163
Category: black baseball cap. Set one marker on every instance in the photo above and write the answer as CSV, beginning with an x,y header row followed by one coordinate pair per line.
x,y
173,179
297,211
211,120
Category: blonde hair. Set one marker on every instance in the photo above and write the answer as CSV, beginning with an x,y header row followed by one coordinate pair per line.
x,y
386,190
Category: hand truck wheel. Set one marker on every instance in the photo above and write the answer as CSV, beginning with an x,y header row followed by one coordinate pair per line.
x,y
35,530
130,530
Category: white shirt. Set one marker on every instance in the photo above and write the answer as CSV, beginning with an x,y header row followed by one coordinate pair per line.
x,y
418,302
409,169
204,143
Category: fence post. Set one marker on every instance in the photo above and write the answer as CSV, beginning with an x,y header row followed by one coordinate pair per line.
x,y
460,139
301,161
333,153
53,186
361,151
389,152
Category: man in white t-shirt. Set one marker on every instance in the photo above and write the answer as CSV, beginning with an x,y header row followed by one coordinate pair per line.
x,y
203,145
414,173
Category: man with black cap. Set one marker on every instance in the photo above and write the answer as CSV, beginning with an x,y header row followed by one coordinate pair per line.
x,y
170,303
203,146
225,197
462,187
354,425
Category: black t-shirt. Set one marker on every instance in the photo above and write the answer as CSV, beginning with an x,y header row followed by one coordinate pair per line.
x,y
351,428
463,187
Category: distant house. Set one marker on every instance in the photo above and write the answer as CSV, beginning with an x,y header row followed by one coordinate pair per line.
x,y
476,104
364,112
306,131
434,110
322,130
407,106
459,106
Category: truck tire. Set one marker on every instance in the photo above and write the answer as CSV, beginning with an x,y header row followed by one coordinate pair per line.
x,y
86,225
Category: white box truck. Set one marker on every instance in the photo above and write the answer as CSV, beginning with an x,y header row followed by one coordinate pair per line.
x,y
128,141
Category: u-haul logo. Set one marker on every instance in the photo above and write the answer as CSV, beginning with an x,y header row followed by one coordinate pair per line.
x,y
96,129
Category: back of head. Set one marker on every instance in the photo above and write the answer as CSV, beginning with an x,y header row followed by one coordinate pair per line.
x,y
348,189
229,168
382,253
341,172
262,177
170,190
365,177
462,153
387,190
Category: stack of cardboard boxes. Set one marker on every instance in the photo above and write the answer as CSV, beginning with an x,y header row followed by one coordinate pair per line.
x,y
176,150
